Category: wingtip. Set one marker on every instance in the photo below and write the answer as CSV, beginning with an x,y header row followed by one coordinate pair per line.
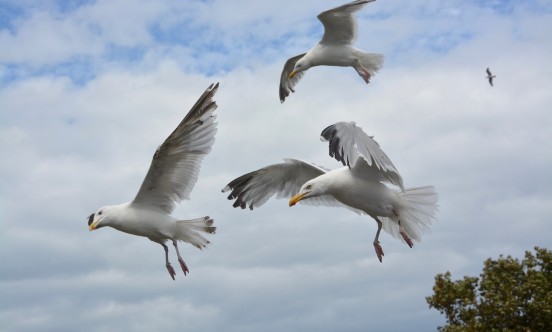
x,y
212,87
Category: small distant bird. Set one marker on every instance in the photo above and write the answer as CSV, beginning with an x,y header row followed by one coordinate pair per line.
x,y
359,186
171,177
335,49
490,76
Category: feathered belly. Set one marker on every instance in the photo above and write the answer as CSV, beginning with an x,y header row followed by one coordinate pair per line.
x,y
150,224
373,198
334,56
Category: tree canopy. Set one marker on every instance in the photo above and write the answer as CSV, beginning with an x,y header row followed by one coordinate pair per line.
x,y
509,295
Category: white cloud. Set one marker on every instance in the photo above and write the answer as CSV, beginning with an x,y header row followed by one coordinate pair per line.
x,y
71,147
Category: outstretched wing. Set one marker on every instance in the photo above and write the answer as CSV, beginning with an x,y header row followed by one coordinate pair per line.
x,y
489,72
283,180
175,166
287,84
351,146
340,26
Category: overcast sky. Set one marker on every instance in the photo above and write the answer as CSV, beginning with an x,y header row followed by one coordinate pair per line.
x,y
89,89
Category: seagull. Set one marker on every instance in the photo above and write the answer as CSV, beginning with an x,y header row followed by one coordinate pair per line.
x,y
490,76
358,186
335,49
172,175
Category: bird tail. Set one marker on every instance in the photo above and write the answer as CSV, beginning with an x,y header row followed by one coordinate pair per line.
x,y
371,62
189,231
419,206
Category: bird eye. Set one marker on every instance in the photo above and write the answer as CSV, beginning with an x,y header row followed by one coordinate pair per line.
x,y
100,213
309,187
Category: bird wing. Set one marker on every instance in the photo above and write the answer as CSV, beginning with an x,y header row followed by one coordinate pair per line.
x,y
287,84
351,146
175,166
491,80
283,180
340,26
489,72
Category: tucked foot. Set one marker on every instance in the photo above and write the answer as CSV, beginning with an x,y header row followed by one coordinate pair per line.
x,y
183,266
406,237
171,270
379,250
365,75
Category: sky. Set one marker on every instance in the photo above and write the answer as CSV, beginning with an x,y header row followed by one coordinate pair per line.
x,y
89,89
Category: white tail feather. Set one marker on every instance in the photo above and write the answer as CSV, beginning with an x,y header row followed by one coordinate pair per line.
x,y
189,231
419,206
372,62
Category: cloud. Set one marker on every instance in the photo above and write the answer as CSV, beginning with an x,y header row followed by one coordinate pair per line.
x,y
72,145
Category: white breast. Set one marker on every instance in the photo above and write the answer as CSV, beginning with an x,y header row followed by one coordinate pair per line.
x,y
367,195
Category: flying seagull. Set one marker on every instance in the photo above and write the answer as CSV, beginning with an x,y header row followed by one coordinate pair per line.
x,y
358,186
172,175
335,49
490,76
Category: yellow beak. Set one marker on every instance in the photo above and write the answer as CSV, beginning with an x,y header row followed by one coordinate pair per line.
x,y
296,199
94,225
292,74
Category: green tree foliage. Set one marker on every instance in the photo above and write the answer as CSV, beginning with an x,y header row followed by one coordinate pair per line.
x,y
509,295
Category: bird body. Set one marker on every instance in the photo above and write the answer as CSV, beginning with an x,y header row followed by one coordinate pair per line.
x,y
155,225
334,49
371,197
172,175
336,56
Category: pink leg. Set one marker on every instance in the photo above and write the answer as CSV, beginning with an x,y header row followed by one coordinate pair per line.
x,y
406,237
377,246
180,260
167,264
403,233
363,73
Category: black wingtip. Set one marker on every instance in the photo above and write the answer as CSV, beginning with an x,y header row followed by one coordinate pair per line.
x,y
326,134
283,94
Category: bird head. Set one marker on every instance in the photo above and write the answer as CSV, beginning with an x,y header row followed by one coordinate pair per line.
x,y
309,189
98,219
300,66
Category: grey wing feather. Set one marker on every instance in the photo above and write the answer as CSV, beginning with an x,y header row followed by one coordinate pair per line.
x,y
287,84
340,26
351,146
283,180
176,163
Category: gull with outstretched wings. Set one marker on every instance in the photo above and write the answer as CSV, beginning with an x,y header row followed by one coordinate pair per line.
x,y
359,185
335,49
171,177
